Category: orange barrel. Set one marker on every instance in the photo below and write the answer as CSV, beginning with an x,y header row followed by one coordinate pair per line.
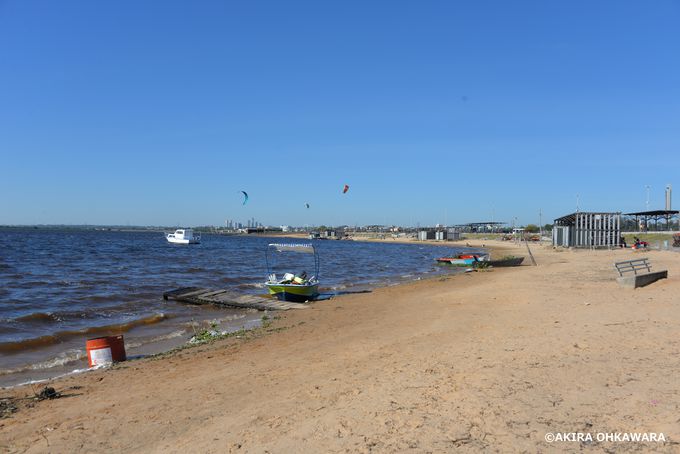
x,y
105,350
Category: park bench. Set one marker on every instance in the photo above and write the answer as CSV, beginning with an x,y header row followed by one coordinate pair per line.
x,y
637,273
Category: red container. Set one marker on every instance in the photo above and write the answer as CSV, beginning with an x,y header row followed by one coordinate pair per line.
x,y
105,350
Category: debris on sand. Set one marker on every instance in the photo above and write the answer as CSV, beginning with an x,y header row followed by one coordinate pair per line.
x,y
48,393
7,407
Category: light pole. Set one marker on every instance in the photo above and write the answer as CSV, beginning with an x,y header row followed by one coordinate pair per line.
x,y
647,204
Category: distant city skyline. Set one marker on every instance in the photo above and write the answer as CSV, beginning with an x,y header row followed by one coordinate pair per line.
x,y
161,113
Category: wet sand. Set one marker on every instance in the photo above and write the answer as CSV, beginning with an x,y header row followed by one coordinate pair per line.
x,y
485,361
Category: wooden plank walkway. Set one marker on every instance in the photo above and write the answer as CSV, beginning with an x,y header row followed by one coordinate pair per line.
x,y
225,298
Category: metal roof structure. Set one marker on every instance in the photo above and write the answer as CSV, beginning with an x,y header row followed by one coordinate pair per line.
x,y
570,219
653,213
484,223
476,226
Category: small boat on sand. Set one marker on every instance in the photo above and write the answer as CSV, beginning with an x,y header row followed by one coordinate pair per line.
x,y
462,259
505,261
292,287
183,236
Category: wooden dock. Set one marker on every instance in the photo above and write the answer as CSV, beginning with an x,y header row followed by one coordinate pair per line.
x,y
225,298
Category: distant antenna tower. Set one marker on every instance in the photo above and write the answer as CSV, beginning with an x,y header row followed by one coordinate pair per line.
x,y
668,197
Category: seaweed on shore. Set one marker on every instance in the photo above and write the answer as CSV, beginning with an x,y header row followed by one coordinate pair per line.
x,y
8,407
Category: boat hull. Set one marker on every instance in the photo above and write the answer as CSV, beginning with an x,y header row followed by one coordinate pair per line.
x,y
293,292
182,241
456,262
462,260
514,261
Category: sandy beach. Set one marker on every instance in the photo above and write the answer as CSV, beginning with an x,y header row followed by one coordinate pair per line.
x,y
487,361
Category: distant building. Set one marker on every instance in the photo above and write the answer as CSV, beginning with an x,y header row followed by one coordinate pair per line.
x,y
453,234
587,230
250,230
439,234
331,234
426,235
480,227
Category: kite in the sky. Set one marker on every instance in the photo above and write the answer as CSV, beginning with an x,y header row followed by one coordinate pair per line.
x,y
306,205
345,189
245,197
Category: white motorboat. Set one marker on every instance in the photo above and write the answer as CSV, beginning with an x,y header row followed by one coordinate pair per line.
x,y
183,236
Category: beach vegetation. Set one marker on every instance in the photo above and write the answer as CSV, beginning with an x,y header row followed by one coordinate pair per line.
x,y
210,335
531,228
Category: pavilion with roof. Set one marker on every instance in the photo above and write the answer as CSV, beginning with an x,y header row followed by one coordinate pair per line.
x,y
643,218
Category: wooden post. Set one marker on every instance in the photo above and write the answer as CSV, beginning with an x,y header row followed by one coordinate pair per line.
x,y
530,254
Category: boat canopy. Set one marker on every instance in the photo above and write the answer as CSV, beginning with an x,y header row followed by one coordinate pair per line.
x,y
308,248
293,247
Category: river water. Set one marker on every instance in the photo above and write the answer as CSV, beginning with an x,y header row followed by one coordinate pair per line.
x,y
59,287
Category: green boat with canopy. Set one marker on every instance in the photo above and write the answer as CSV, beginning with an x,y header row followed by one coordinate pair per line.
x,y
291,286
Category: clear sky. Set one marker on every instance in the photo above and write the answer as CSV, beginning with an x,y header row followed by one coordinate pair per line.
x,y
159,113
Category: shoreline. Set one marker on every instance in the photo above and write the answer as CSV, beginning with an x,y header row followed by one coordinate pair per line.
x,y
156,349
65,363
487,360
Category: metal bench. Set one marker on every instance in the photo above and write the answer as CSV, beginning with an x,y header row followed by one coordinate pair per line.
x,y
637,273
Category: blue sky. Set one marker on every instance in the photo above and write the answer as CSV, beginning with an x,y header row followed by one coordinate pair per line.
x,y
159,113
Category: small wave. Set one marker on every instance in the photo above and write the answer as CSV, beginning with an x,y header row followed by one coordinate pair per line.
x,y
233,280
63,283
42,341
38,317
100,298
194,269
62,359
43,380
232,317
86,313
160,338
253,285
